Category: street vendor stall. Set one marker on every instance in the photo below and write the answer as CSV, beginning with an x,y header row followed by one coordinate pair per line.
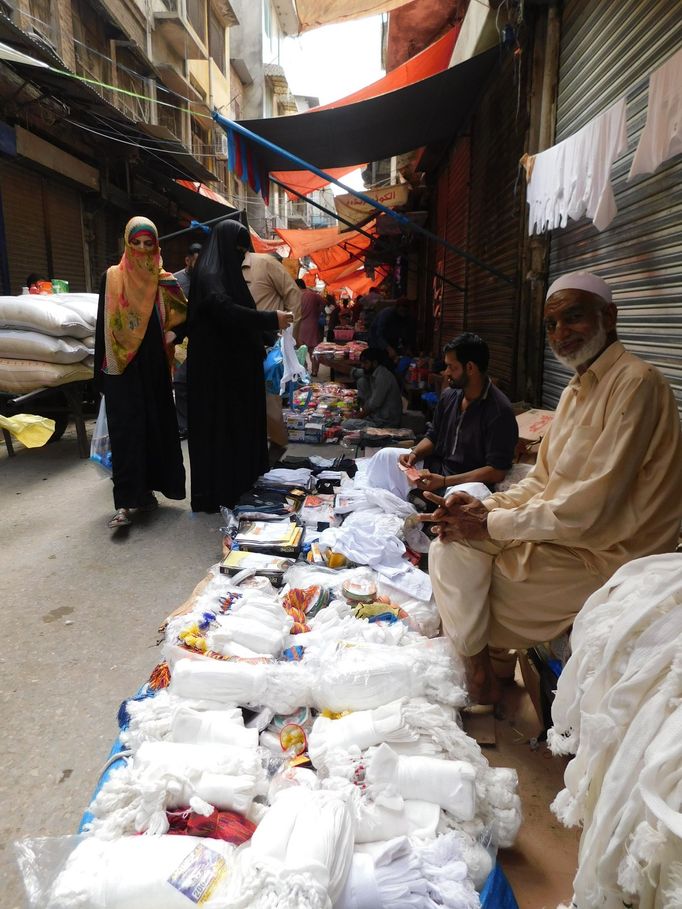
x,y
46,358
340,357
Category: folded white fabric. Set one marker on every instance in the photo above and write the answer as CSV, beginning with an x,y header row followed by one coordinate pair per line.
x,y
299,477
300,853
152,719
360,545
283,687
168,775
662,134
450,784
396,873
246,632
360,729
414,817
233,684
366,676
210,727
33,345
141,872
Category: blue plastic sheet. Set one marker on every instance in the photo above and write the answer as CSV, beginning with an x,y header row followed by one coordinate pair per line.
x,y
497,892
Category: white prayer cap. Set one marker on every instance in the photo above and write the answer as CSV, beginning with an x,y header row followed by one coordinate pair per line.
x,y
582,280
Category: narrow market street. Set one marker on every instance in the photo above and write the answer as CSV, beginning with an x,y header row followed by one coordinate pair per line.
x,y
84,605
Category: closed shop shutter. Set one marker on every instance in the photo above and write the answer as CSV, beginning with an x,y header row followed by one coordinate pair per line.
x,y
22,208
65,223
456,229
607,51
497,140
43,226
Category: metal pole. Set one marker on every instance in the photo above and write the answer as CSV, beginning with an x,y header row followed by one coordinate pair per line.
x,y
401,219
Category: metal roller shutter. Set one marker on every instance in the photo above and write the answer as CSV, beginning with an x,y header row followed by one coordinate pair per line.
x,y
640,253
65,222
22,208
456,228
492,306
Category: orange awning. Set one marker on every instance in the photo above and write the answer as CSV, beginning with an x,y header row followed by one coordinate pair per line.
x,y
432,60
268,246
306,182
203,190
341,253
359,283
306,242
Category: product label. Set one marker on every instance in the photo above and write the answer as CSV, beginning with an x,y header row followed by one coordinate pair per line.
x,y
199,874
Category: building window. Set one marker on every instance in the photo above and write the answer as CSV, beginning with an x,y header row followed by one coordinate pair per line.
x,y
196,12
216,38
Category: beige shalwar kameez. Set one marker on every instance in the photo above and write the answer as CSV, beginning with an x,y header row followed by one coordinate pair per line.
x,y
606,489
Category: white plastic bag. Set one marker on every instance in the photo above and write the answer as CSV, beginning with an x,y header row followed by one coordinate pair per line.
x,y
293,371
100,448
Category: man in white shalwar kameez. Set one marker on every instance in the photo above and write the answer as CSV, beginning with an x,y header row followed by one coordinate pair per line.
x,y
515,569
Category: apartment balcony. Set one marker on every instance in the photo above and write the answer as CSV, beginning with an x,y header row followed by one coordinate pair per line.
x,y
182,24
299,215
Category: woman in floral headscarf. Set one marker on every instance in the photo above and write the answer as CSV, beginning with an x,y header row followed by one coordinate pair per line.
x,y
141,312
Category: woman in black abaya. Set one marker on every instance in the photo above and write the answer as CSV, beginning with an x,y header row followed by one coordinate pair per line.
x,y
228,446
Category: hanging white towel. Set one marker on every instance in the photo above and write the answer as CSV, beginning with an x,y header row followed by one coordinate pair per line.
x,y
661,137
573,178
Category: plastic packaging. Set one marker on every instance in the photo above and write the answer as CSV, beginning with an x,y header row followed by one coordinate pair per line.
x,y
100,447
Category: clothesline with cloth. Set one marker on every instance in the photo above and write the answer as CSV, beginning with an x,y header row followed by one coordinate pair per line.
x,y
573,178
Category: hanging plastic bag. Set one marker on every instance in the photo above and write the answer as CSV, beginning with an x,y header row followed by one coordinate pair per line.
x,y
100,448
274,369
294,372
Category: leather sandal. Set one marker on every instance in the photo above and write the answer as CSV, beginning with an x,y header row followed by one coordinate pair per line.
x,y
120,519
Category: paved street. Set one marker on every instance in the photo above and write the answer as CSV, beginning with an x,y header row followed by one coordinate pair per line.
x,y
80,609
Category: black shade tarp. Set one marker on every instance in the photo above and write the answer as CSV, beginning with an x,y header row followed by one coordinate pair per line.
x,y
429,111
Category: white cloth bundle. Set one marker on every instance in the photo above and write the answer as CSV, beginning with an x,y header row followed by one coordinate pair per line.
x,y
283,687
450,784
84,304
359,544
617,708
168,775
135,873
233,684
151,719
360,729
210,727
252,633
337,623
414,817
300,853
366,676
396,874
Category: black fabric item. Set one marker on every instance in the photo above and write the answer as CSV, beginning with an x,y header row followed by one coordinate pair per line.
x,y
432,110
228,446
143,429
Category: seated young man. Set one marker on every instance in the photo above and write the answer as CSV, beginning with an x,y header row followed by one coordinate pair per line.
x,y
473,435
378,392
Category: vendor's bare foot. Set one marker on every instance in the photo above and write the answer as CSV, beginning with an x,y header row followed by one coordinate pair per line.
x,y
482,684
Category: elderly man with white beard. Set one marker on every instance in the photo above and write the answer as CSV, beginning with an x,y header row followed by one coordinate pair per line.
x,y
515,569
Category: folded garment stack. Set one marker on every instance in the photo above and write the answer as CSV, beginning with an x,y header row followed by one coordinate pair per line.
x,y
313,727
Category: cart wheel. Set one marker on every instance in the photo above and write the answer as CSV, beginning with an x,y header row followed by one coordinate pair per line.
x,y
61,421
